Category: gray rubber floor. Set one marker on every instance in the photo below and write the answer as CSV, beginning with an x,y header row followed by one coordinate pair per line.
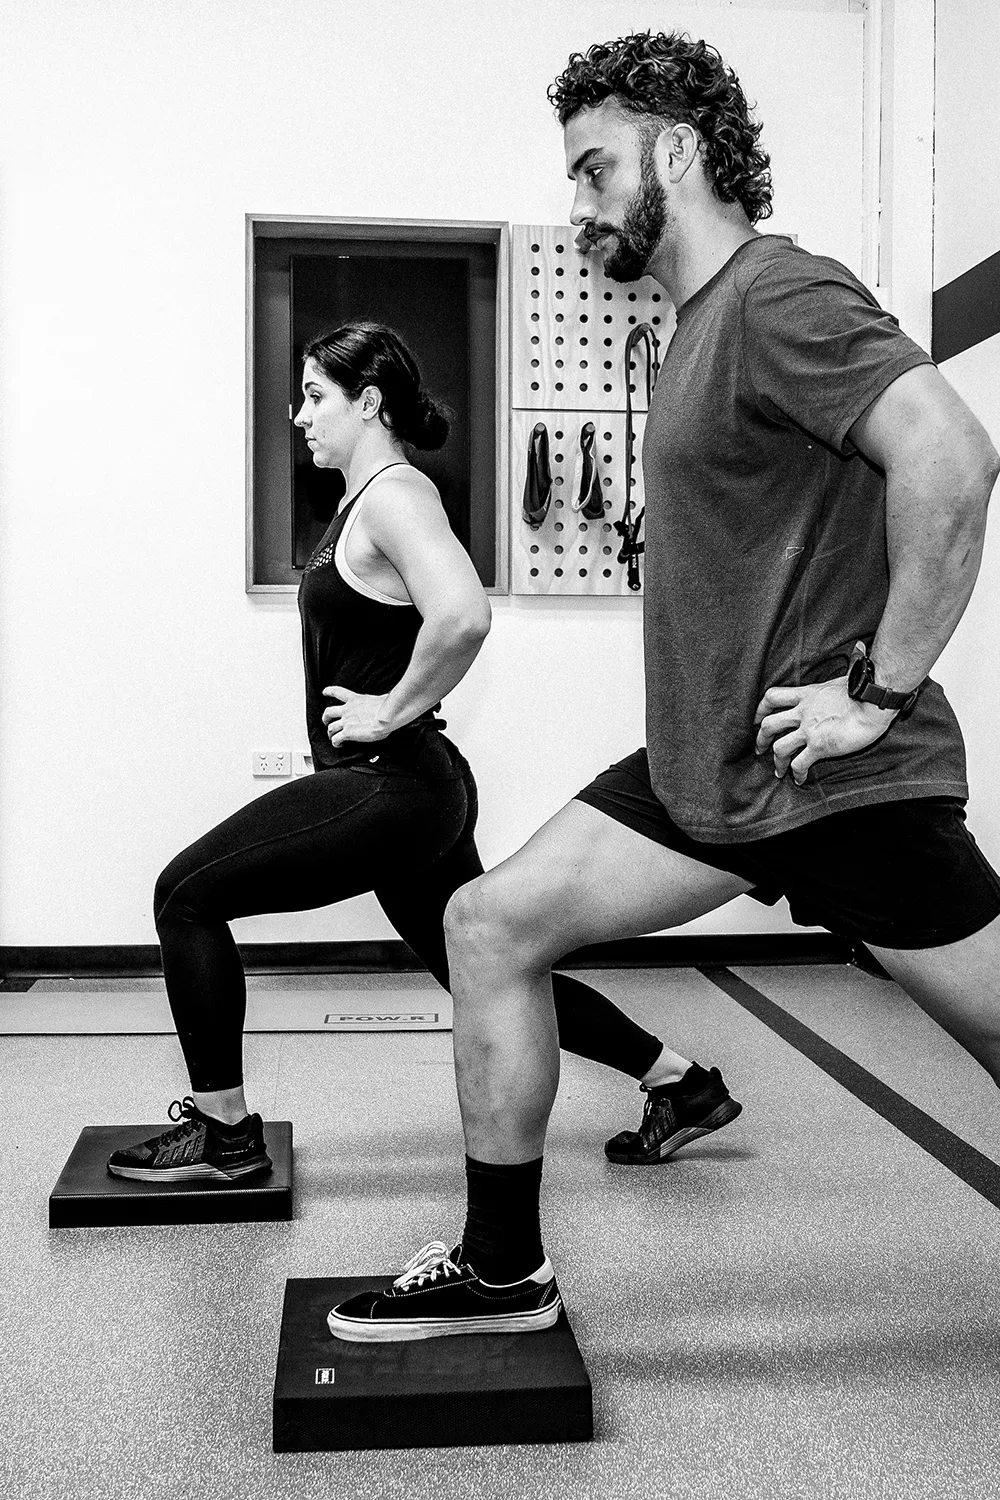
x,y
805,1305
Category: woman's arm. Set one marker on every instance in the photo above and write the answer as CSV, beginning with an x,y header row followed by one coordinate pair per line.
x,y
407,524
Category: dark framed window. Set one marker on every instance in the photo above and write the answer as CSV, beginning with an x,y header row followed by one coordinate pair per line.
x,y
443,288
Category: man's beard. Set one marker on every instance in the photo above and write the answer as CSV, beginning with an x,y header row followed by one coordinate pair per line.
x,y
642,227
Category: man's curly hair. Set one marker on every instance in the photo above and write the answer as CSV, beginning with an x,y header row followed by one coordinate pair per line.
x,y
669,76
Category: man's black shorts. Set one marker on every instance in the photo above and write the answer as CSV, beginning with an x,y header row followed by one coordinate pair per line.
x,y
903,874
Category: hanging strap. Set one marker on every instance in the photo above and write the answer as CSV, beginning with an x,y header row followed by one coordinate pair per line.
x,y
538,478
589,499
628,527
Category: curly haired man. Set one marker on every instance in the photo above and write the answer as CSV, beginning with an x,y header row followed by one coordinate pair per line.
x,y
816,501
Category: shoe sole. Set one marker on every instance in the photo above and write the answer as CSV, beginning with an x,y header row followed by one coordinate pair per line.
x,y
724,1114
199,1171
357,1332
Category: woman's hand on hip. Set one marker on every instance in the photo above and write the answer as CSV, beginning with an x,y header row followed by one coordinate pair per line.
x,y
357,716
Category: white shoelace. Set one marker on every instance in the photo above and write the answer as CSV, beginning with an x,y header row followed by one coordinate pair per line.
x,y
429,1263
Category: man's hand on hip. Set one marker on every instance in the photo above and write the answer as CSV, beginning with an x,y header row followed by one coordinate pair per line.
x,y
816,722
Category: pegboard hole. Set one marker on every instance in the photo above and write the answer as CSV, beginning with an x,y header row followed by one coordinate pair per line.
x,y
534,572
534,385
535,271
559,249
608,364
583,340
584,271
584,296
606,526
535,548
583,572
535,339
559,458
583,366
560,295
559,365
631,315
536,317
536,293
608,296
631,296
607,572
607,342
560,318
584,318
535,249
558,572
606,551
608,318
560,339
560,271
558,436
583,526
535,363
583,549
607,437
559,524
583,383
657,322
558,548
607,503
559,385
656,296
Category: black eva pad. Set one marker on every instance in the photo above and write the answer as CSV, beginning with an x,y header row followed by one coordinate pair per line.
x,y
424,1393
86,1192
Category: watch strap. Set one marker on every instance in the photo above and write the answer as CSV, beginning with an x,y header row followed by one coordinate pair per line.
x,y
864,689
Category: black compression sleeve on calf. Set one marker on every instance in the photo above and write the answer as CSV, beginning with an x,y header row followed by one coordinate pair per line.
x,y
502,1239
592,1026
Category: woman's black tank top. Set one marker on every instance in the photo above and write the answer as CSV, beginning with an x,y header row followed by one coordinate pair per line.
x,y
353,641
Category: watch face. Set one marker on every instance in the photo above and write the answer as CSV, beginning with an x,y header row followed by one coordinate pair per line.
x,y
859,675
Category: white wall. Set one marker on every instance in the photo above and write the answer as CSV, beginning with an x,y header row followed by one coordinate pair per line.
x,y
137,674
967,231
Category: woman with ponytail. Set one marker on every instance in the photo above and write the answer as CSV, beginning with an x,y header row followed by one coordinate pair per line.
x,y
393,615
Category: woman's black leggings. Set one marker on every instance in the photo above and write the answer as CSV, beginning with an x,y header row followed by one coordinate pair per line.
x,y
338,833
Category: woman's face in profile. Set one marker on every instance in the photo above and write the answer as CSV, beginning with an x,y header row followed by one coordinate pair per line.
x,y
328,419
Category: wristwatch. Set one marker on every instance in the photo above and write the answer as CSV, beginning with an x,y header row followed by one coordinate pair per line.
x,y
862,687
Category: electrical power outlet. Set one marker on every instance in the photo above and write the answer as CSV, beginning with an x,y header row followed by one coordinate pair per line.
x,y
271,763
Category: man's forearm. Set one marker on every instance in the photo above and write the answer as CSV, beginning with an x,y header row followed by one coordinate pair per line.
x,y
935,547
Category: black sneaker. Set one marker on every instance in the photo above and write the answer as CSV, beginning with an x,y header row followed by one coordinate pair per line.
x,y
196,1147
438,1294
674,1115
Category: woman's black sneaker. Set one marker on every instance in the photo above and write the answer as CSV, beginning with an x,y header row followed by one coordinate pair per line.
x,y
674,1115
196,1147
438,1294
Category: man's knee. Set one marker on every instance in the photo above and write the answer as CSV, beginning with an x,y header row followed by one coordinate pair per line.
x,y
491,914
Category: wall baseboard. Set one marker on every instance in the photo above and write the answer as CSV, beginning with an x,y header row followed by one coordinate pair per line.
x,y
392,956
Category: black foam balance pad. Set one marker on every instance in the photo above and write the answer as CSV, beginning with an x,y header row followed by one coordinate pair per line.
x,y
426,1393
87,1194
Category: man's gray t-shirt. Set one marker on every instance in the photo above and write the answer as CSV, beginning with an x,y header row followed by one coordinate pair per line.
x,y
766,544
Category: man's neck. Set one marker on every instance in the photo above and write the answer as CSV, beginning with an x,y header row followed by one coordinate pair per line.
x,y
696,249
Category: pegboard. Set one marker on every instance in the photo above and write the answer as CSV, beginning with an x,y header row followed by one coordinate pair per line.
x,y
568,554
570,323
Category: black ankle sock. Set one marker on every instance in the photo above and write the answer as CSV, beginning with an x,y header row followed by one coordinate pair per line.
x,y
694,1079
502,1239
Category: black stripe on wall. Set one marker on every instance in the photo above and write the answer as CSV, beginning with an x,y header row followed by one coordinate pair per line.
x,y
392,956
967,310
975,1169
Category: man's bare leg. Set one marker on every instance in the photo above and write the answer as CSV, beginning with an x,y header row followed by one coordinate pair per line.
x,y
582,878
959,985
